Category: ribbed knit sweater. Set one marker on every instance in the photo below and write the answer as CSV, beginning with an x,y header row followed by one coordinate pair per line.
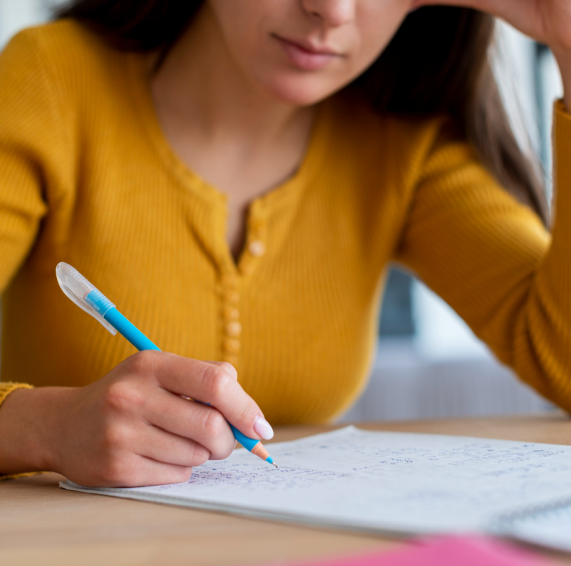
x,y
87,177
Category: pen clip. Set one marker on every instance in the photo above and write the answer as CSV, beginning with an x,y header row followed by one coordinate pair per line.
x,y
76,287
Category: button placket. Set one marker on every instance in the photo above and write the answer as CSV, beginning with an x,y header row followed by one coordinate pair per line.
x,y
254,250
255,247
231,326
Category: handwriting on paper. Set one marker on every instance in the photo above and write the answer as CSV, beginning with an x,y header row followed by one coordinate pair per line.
x,y
380,481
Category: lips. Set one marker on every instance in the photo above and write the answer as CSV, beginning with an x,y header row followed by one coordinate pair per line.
x,y
305,56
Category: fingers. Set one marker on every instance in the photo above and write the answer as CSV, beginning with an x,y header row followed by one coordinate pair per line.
x,y
205,425
140,471
168,448
127,470
524,15
214,384
134,428
157,473
501,9
477,4
226,366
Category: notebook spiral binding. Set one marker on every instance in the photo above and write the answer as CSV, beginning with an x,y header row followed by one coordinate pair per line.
x,y
555,509
546,524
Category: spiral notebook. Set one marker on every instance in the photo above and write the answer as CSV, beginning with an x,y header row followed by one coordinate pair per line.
x,y
544,525
398,483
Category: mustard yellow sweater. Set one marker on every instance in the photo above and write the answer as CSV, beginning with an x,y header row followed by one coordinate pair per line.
x,y
87,177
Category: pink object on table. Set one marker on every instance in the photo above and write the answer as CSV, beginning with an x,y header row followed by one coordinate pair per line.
x,y
445,551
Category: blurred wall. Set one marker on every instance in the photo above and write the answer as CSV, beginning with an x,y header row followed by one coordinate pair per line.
x,y
17,14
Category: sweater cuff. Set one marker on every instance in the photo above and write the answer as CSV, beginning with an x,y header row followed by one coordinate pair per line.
x,y
5,390
19,476
9,387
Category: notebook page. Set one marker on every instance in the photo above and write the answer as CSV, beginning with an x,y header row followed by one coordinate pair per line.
x,y
379,481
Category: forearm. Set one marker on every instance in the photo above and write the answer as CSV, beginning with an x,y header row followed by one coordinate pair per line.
x,y
541,345
27,424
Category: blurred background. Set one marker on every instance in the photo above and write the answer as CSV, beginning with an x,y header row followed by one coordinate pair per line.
x,y
428,362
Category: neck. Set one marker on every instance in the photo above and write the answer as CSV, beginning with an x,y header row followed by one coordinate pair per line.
x,y
200,83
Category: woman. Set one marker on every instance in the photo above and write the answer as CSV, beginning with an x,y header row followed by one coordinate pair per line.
x,y
236,176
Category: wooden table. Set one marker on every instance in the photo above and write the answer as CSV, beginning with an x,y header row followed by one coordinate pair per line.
x,y
42,524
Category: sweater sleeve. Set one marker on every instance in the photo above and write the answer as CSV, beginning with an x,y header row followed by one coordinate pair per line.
x,y
493,261
30,137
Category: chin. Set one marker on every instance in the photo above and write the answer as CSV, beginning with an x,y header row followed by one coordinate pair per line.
x,y
301,91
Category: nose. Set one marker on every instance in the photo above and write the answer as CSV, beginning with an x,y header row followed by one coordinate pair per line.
x,y
333,13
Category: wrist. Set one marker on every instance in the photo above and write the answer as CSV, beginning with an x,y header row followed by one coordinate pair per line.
x,y
29,430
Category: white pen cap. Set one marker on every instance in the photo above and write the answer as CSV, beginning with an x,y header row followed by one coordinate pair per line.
x,y
77,287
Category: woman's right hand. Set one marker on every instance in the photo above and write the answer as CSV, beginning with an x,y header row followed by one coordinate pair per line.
x,y
133,427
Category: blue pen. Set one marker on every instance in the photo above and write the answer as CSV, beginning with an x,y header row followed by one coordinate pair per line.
x,y
96,304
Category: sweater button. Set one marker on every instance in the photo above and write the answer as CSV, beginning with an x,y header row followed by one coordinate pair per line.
x,y
257,248
231,313
229,281
231,346
233,329
231,297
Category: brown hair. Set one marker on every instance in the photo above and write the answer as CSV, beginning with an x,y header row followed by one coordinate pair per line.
x,y
437,62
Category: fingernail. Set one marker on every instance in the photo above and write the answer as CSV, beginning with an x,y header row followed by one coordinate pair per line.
x,y
263,428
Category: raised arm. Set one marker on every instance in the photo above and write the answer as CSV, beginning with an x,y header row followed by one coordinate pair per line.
x,y
493,261
546,21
